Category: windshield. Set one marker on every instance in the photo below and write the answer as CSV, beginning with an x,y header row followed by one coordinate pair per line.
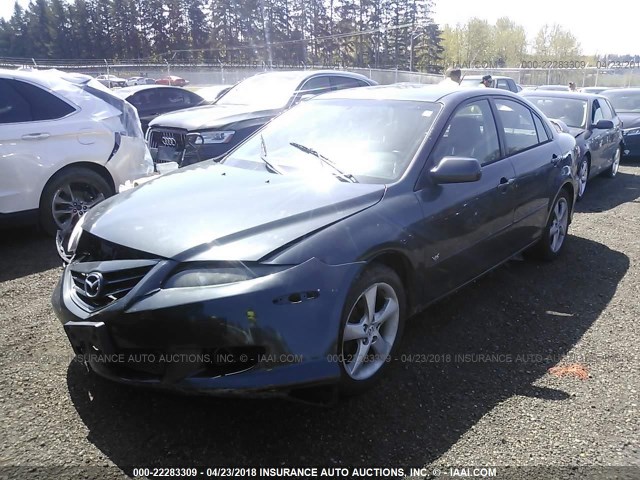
x,y
371,140
571,111
625,102
265,92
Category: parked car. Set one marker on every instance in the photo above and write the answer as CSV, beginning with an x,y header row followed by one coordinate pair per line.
x,y
295,260
200,133
133,81
173,80
213,92
626,102
66,143
556,88
505,83
591,119
111,81
154,100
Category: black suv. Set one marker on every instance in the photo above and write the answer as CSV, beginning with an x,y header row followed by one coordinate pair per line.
x,y
195,134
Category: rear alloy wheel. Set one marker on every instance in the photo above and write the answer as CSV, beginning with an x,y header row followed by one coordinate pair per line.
x,y
553,238
372,325
612,171
583,177
69,196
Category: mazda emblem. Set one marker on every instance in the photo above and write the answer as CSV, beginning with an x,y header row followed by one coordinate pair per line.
x,y
93,284
169,141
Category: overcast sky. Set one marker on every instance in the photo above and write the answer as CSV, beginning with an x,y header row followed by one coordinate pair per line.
x,y
611,28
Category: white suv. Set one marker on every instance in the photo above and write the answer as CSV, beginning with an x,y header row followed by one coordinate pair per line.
x,y
66,143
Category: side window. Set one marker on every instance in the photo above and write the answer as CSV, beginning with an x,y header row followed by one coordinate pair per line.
x,y
137,99
607,113
13,107
502,83
171,97
191,99
44,106
543,136
471,132
518,126
596,112
316,85
340,83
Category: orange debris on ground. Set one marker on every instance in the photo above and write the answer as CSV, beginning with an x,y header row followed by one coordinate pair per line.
x,y
573,369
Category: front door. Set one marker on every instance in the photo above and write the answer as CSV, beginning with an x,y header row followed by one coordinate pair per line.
x,y
465,225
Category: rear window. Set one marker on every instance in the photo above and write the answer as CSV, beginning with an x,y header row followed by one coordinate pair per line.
x,y
23,102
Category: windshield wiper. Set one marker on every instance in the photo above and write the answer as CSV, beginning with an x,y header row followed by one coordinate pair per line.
x,y
324,159
263,157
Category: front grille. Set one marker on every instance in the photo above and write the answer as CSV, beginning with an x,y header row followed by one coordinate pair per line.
x,y
167,138
166,145
116,279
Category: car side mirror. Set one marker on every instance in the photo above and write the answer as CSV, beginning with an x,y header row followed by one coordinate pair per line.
x,y
603,125
456,170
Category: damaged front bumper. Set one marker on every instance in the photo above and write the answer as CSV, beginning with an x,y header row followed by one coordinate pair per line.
x,y
269,334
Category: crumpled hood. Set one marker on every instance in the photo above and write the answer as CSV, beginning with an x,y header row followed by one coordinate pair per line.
x,y
211,211
630,120
210,116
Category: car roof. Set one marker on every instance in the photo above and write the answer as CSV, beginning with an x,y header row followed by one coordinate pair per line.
x,y
416,92
50,78
560,94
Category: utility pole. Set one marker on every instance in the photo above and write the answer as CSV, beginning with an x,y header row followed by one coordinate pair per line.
x,y
415,34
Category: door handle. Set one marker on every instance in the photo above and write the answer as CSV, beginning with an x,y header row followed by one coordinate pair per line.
x,y
555,160
35,136
505,183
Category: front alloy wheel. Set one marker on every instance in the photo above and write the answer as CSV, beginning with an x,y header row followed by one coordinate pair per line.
x,y
371,327
583,176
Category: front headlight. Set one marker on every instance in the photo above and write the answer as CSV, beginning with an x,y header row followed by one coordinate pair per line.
x,y
631,131
214,137
220,275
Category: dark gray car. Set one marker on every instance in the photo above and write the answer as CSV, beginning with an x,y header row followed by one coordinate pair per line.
x,y
294,262
593,121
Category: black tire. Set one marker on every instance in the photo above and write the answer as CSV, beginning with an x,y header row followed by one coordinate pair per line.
x,y
612,171
385,278
83,180
583,161
545,249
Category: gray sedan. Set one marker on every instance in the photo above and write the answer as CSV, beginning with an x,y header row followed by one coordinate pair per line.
x,y
294,262
595,125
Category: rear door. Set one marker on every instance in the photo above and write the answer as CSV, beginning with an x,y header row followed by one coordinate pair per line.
x,y
535,158
466,225
32,141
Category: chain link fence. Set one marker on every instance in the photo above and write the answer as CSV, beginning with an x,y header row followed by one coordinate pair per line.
x,y
203,74
583,77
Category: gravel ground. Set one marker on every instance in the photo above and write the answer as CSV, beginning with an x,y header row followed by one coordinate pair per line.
x,y
474,388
